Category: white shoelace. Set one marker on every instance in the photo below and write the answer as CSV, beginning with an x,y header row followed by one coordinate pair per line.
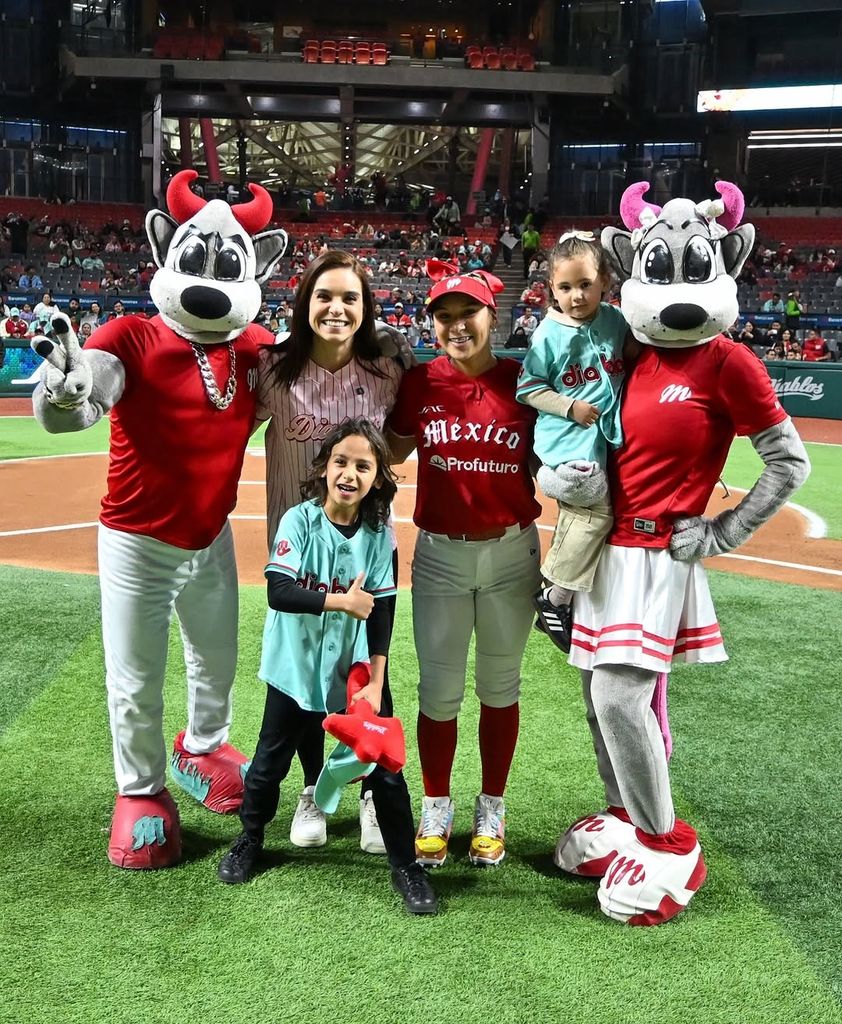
x,y
308,810
488,821
434,821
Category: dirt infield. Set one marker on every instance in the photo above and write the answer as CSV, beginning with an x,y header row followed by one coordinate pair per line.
x,y
49,507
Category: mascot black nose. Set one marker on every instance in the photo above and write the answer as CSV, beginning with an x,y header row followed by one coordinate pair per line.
x,y
683,316
205,303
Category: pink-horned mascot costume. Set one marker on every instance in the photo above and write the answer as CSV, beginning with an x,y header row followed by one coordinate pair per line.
x,y
687,395
180,389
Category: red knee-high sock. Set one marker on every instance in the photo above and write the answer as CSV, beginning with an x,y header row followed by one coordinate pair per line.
x,y
498,729
436,749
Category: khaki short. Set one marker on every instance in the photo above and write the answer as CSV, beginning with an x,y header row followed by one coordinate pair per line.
x,y
577,544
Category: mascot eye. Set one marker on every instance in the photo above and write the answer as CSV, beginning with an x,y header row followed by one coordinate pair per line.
x,y
229,264
657,266
191,259
698,262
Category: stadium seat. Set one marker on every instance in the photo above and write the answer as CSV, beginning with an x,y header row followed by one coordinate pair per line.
x,y
345,53
473,55
362,53
310,52
491,56
327,53
525,60
379,53
508,58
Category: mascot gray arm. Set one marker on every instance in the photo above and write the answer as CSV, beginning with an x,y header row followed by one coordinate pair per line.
x,y
786,467
394,345
76,388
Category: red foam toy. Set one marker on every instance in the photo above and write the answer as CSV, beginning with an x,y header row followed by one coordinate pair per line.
x,y
373,738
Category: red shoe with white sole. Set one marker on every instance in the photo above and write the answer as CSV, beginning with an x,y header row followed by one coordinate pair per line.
x,y
215,779
145,832
591,843
654,877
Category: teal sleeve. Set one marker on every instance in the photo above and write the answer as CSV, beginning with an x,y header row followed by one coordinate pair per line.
x,y
289,543
536,370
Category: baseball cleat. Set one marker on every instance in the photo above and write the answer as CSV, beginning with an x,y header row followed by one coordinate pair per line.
x,y
654,877
488,845
215,779
145,832
592,842
434,831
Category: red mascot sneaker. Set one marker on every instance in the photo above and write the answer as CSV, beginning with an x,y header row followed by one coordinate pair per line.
x,y
654,877
591,843
215,780
145,832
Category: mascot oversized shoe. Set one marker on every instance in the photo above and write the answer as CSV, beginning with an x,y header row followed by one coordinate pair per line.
x,y
591,843
145,832
654,877
215,780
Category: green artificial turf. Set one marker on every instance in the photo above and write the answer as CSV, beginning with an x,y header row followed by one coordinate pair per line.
x,y
318,936
821,493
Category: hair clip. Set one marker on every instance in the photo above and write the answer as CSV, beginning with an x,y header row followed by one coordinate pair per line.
x,y
583,236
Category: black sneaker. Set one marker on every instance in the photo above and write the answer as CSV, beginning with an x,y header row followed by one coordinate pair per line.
x,y
556,622
237,865
413,883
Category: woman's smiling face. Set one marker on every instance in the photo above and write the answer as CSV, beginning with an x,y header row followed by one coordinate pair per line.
x,y
336,306
463,327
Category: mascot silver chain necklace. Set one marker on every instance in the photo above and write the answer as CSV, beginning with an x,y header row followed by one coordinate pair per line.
x,y
211,387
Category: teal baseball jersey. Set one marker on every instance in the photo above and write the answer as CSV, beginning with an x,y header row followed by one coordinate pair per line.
x,y
308,657
585,363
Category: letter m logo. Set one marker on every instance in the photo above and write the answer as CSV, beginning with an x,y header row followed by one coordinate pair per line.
x,y
674,393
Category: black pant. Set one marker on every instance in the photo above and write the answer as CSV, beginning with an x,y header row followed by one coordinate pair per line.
x,y
284,724
311,748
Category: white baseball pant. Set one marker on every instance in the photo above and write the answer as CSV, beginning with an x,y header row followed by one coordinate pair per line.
x,y
464,587
141,581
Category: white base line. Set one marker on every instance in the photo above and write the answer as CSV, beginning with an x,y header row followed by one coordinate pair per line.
x,y
48,529
784,565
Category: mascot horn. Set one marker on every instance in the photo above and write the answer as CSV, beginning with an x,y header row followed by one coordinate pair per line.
x,y
180,390
687,395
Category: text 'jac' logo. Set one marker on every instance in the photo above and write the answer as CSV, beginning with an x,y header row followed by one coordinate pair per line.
x,y
675,393
283,547
807,388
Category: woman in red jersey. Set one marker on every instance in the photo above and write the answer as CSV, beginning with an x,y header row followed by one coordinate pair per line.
x,y
476,557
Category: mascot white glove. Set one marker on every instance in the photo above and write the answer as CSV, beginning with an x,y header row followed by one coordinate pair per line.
x,y
700,537
574,483
66,377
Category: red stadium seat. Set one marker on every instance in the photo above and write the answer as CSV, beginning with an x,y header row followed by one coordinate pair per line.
x,y
327,53
492,58
362,53
345,53
508,58
379,54
474,57
525,60
310,53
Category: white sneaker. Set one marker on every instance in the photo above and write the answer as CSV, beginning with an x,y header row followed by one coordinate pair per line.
x,y
371,839
434,830
488,843
309,826
646,886
591,843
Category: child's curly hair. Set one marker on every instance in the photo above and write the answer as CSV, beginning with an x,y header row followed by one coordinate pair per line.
x,y
374,508
581,243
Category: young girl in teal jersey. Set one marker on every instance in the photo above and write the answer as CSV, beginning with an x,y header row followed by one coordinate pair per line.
x,y
328,579
572,374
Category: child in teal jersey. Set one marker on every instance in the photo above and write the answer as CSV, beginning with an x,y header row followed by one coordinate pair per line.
x,y
330,569
572,374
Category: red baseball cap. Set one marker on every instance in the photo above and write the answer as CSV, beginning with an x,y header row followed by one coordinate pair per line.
x,y
448,278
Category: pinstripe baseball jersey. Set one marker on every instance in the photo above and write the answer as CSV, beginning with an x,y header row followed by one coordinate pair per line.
x,y
308,657
303,416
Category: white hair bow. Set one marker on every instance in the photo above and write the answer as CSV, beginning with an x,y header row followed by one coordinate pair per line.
x,y
583,236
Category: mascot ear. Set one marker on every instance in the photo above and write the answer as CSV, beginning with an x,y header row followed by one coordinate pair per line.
x,y
269,246
160,228
736,248
618,243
